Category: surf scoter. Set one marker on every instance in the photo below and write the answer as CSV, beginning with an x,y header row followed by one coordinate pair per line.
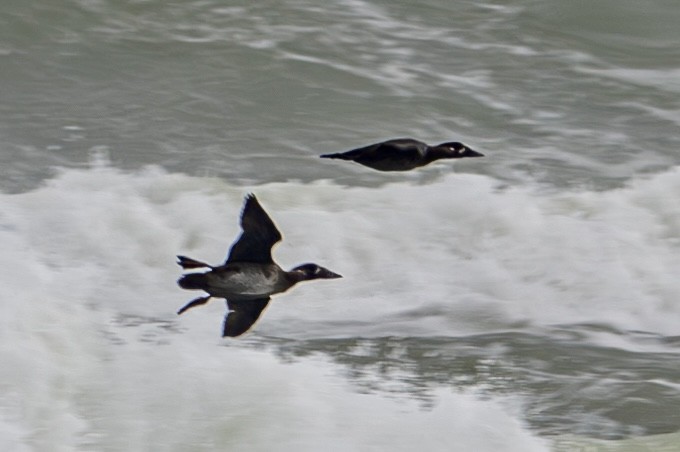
x,y
403,154
249,276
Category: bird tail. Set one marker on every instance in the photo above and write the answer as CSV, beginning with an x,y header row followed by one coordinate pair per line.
x,y
192,281
188,263
341,156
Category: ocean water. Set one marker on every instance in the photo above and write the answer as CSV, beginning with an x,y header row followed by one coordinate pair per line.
x,y
526,301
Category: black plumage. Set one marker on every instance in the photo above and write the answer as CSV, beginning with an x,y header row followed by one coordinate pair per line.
x,y
403,154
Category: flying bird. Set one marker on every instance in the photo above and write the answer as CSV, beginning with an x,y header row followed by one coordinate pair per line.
x,y
249,276
403,154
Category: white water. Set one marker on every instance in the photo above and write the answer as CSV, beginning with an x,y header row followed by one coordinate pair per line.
x,y
462,245
94,358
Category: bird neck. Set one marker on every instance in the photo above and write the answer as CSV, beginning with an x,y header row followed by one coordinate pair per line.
x,y
435,153
293,277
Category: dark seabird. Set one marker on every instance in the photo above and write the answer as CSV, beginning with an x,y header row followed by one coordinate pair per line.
x,y
249,276
403,154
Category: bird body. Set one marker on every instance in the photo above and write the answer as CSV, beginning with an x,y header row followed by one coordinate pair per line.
x,y
241,281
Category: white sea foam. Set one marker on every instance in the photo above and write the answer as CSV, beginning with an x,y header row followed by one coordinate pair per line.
x,y
462,249
95,358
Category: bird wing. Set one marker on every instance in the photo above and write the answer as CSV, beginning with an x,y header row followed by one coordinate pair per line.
x,y
359,152
258,237
403,146
399,147
242,315
193,303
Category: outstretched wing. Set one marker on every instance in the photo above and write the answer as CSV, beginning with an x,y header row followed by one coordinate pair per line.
x,y
194,303
242,315
258,237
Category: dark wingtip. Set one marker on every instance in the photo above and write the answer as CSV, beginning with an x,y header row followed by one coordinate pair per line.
x,y
197,302
250,198
236,328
